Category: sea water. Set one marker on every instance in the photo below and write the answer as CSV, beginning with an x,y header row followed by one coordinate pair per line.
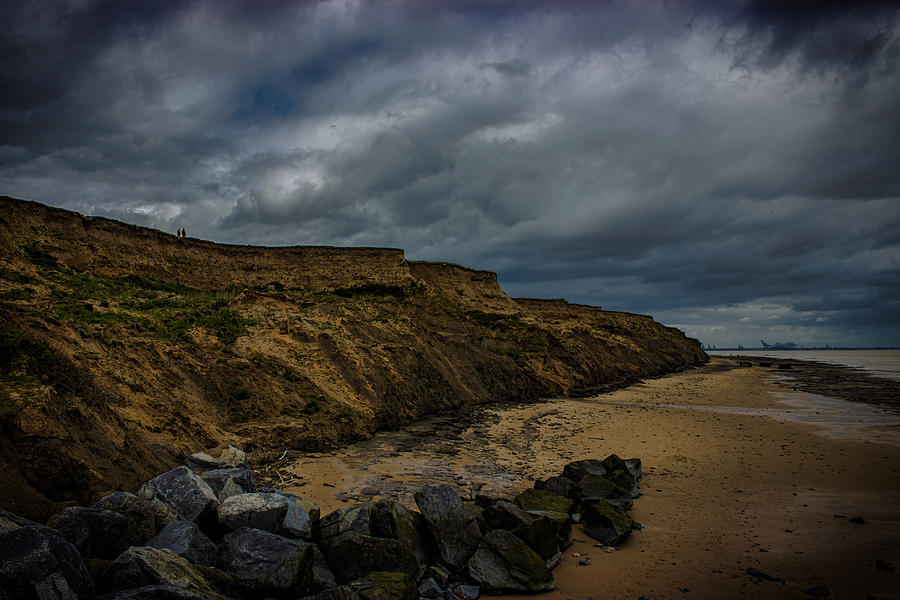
x,y
880,363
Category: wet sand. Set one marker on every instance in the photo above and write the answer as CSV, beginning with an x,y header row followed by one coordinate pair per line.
x,y
739,471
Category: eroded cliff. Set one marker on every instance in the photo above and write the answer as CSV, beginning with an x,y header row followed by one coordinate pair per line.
x,y
122,349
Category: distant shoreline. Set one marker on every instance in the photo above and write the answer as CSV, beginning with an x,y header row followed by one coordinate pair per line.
x,y
802,348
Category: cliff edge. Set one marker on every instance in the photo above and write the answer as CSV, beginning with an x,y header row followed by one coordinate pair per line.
x,y
123,349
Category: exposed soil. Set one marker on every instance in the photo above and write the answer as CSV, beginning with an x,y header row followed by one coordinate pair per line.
x,y
124,349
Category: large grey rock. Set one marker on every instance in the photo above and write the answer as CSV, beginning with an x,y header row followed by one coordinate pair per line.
x,y
579,468
348,518
257,510
606,524
226,458
160,592
504,563
262,563
352,555
230,481
37,562
190,496
186,540
382,519
10,521
453,527
145,517
596,488
310,508
429,588
273,512
537,531
141,566
95,532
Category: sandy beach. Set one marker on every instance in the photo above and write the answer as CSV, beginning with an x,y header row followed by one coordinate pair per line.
x,y
740,472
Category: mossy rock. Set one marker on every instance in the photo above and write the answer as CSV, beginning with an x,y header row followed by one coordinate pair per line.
x,y
624,480
596,488
504,563
544,500
385,585
614,463
606,524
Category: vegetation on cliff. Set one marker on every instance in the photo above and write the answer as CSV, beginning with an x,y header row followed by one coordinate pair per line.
x,y
123,349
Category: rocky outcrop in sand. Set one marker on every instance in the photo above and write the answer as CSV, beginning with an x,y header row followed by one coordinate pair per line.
x,y
453,549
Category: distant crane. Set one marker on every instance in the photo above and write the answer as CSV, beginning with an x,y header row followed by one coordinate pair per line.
x,y
764,344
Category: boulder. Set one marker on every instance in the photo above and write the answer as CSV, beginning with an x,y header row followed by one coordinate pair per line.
x,y
144,566
352,555
503,514
265,564
311,509
561,486
160,592
467,592
302,516
348,518
544,500
341,592
578,469
231,481
145,517
37,562
190,496
385,585
634,467
186,540
10,521
256,510
562,524
226,458
453,527
504,563
95,532
624,480
536,531
614,463
605,524
429,588
594,487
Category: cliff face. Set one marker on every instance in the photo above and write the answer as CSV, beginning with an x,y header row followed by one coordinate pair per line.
x,y
123,348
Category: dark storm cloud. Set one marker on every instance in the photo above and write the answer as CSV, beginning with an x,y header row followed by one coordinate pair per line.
x,y
727,167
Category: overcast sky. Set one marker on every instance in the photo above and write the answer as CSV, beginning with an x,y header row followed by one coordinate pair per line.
x,y
731,168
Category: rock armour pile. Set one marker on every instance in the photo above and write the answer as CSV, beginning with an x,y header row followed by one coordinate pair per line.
x,y
207,533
